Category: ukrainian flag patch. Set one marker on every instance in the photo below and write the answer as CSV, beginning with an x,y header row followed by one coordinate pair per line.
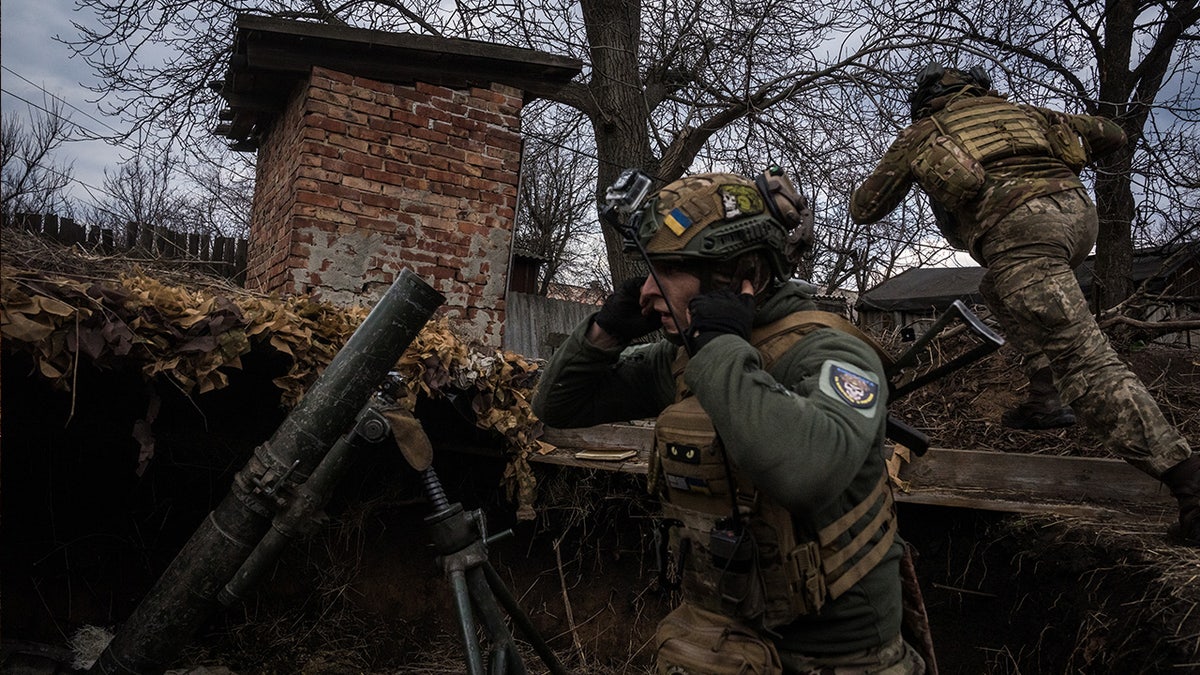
x,y
678,221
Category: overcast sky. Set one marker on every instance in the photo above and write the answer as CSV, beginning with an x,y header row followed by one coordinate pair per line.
x,y
28,52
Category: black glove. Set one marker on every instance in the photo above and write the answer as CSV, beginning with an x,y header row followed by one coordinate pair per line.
x,y
720,312
621,316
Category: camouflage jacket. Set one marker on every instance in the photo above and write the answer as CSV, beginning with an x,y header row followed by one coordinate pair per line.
x,y
1010,180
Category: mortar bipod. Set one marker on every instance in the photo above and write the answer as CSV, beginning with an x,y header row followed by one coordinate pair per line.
x,y
461,540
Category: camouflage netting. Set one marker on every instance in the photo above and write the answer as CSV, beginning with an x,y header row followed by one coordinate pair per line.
x,y
189,330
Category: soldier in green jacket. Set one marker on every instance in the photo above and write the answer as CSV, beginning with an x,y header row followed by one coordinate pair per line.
x,y
1003,182
769,438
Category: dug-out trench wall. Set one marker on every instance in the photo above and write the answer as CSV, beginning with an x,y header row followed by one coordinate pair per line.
x,y
84,537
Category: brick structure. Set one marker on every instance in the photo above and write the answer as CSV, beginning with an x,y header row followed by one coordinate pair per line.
x,y
360,175
360,178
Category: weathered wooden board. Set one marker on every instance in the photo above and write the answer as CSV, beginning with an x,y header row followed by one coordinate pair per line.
x,y
977,479
946,476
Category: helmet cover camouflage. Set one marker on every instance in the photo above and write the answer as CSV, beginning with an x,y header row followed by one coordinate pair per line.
x,y
712,217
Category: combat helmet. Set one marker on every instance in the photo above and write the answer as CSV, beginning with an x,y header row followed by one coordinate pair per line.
x,y
716,217
935,81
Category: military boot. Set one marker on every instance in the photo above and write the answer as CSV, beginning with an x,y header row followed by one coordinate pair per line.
x,y
1043,409
1184,481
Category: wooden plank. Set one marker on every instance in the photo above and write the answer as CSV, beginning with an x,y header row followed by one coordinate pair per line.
x,y
1002,476
602,437
566,458
976,479
614,437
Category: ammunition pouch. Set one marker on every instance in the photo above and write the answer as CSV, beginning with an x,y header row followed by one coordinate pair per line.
x,y
694,641
1066,145
947,173
693,466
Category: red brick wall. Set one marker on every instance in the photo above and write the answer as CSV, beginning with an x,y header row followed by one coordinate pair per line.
x,y
359,178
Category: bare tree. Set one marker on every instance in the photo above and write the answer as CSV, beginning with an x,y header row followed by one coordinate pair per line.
x,y
556,216
33,180
140,190
661,79
221,195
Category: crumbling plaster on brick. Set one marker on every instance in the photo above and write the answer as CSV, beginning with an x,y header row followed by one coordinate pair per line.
x,y
386,177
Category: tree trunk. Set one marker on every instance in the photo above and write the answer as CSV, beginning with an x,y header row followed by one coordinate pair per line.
x,y
619,118
1126,96
1112,276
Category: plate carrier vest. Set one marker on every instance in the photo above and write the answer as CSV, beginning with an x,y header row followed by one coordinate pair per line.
x,y
993,130
950,166
764,577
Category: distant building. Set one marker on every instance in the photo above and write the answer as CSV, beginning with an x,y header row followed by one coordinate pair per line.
x,y
915,297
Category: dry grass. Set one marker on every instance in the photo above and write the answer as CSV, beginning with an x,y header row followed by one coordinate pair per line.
x,y
963,409
1136,596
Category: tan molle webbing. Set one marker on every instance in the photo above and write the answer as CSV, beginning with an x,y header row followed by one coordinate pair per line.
x,y
774,339
834,558
994,131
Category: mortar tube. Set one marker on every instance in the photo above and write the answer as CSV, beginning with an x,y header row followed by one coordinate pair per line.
x,y
304,503
185,595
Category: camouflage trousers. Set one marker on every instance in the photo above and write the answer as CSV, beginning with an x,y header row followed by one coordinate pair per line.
x,y
1031,288
894,658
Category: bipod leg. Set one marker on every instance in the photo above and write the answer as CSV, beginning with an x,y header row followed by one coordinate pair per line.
x,y
504,650
466,621
521,619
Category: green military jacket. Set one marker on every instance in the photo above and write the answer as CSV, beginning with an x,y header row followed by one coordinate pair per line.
x,y
1011,179
798,442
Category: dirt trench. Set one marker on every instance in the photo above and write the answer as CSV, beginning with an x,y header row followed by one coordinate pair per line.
x,y
84,538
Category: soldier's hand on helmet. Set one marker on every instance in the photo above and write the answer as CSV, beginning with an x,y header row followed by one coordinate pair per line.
x,y
721,312
622,317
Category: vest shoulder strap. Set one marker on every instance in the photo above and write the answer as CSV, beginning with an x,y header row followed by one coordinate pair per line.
x,y
774,339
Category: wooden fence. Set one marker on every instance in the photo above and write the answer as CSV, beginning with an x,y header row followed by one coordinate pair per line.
x,y
535,325
220,255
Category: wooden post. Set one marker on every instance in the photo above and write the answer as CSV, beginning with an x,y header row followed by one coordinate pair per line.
x,y
240,260
146,238
50,226
30,221
221,255
69,232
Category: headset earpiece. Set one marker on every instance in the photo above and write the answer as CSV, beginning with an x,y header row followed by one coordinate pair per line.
x,y
780,196
981,77
789,208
